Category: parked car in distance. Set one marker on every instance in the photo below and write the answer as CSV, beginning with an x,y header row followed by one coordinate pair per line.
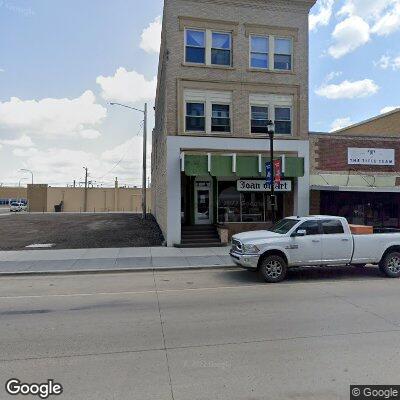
x,y
314,240
17,207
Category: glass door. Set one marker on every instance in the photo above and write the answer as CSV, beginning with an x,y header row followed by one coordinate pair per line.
x,y
203,211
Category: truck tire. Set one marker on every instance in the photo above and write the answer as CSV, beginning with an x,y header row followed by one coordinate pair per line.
x,y
390,265
273,269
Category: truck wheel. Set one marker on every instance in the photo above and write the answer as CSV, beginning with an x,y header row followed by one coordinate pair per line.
x,y
390,265
273,269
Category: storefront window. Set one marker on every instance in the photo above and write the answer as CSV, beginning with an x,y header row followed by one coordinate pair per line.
x,y
228,202
235,206
252,207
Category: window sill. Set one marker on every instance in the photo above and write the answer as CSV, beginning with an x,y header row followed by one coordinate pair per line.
x,y
223,67
271,71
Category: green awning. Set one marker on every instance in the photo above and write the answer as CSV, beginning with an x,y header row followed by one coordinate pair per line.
x,y
222,165
196,165
247,166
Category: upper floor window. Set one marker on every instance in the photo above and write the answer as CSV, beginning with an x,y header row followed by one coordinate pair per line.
x,y
195,46
283,120
259,52
283,54
270,106
195,117
271,53
220,121
221,49
207,111
259,119
208,47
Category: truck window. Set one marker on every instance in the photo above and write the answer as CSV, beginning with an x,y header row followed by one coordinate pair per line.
x,y
284,226
311,227
332,227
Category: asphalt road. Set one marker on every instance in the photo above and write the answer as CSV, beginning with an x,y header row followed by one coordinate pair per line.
x,y
219,334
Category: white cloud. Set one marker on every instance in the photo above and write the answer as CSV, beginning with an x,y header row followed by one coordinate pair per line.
x,y
127,87
366,9
348,35
52,117
386,62
340,123
348,89
389,109
25,152
332,75
90,134
323,16
388,23
2,70
151,37
23,141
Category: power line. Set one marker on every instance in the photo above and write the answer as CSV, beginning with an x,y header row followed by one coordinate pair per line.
x,y
123,157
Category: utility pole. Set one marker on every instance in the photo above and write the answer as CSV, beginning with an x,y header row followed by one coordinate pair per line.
x,y
86,189
144,190
144,200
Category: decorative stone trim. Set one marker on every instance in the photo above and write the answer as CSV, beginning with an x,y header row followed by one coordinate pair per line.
x,y
203,23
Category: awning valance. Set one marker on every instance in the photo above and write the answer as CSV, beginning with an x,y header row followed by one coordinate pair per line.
x,y
354,183
249,166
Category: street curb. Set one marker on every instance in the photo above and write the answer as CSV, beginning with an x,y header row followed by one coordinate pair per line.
x,y
114,271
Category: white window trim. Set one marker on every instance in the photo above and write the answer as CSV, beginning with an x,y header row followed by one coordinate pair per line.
x,y
254,104
185,45
291,53
291,119
271,53
208,47
271,104
207,98
185,115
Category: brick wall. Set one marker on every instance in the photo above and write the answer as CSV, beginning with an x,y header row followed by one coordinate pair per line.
x,y
329,153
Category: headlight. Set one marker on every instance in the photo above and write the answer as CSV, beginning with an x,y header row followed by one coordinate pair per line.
x,y
250,249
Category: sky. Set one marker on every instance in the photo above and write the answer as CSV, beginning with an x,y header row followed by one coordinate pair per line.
x,y
62,62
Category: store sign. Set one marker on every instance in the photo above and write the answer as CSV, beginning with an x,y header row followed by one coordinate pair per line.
x,y
358,156
262,186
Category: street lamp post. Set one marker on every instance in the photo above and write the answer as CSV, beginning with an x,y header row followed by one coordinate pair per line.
x,y
27,170
271,132
144,178
22,179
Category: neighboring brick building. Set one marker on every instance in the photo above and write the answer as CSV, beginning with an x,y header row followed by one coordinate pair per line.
x,y
355,172
226,67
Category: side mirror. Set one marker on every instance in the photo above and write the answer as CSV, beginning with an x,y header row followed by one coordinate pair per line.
x,y
300,232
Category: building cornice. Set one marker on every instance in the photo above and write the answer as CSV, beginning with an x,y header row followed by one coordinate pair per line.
x,y
276,5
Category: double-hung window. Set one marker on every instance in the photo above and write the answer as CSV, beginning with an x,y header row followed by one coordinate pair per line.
x,y
207,111
259,119
195,117
220,120
221,49
259,52
283,120
208,47
195,43
283,54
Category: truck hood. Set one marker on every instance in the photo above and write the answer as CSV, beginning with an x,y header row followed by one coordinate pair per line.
x,y
250,237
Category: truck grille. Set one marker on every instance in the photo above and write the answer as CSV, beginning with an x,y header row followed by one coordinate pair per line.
x,y
236,246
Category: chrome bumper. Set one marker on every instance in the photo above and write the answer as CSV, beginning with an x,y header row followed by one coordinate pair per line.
x,y
245,260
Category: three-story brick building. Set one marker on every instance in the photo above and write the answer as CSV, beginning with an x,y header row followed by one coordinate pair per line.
x,y
226,68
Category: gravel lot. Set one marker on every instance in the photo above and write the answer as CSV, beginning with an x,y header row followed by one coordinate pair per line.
x,y
77,231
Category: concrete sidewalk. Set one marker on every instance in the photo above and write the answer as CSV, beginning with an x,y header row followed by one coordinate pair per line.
x,y
111,260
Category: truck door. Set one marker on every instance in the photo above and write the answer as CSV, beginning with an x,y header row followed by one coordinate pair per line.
x,y
307,250
337,246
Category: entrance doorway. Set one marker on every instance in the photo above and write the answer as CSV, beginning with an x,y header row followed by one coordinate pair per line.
x,y
202,203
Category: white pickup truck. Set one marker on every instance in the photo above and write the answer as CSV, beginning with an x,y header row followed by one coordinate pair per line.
x,y
314,240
